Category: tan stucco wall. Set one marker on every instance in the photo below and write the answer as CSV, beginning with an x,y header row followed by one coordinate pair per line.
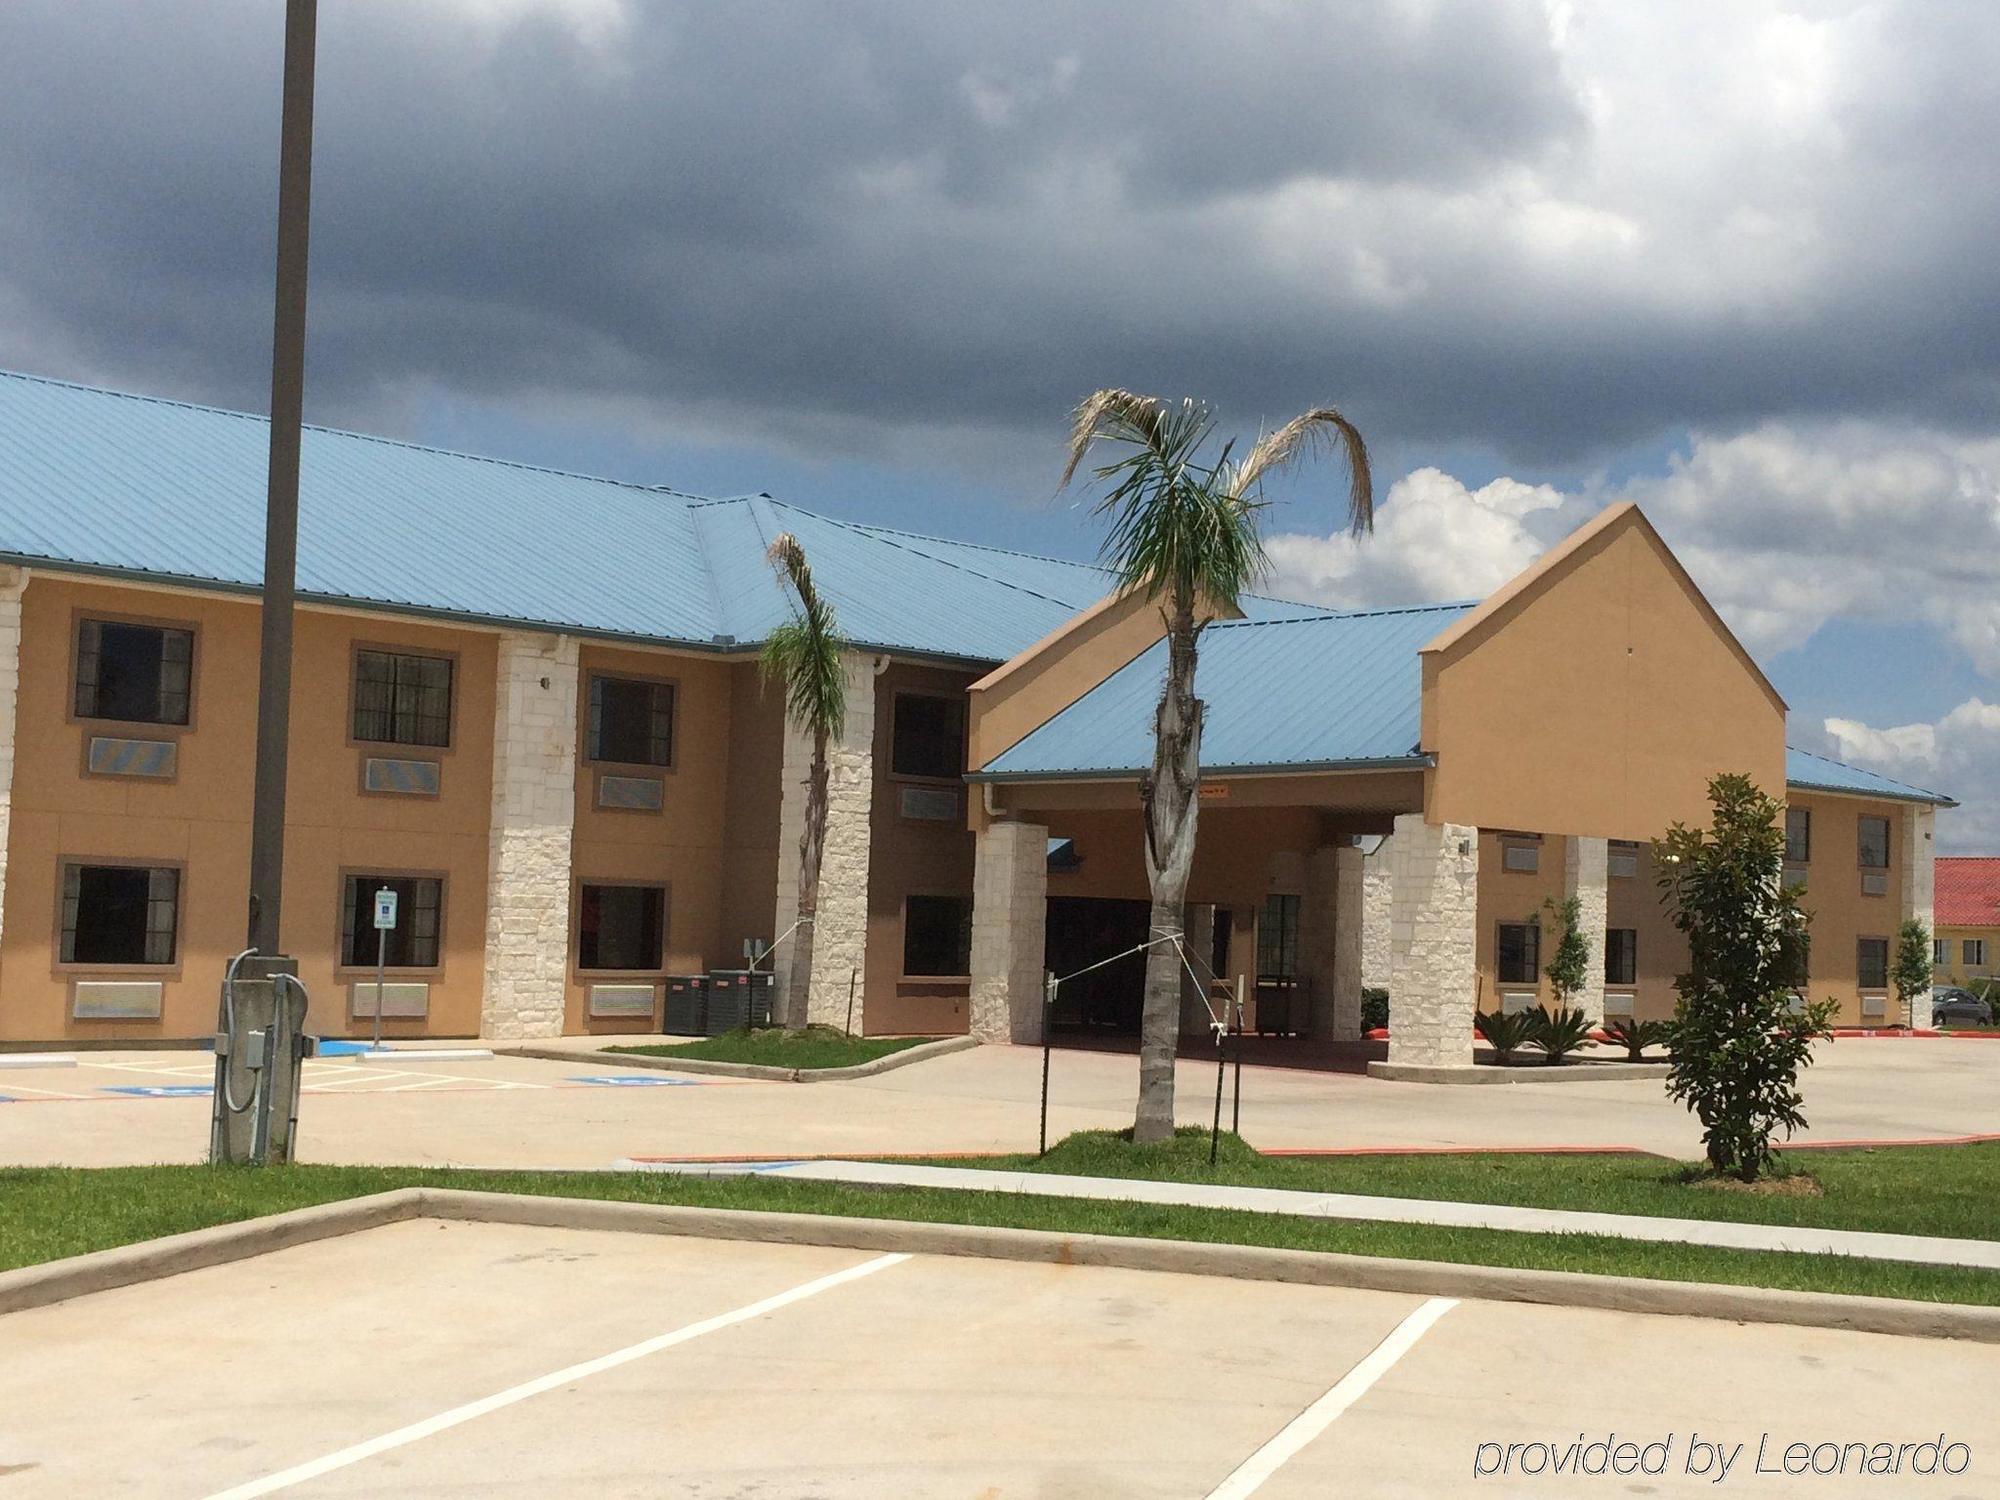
x,y
1841,914
201,819
912,856
750,833
1598,697
682,844
1955,970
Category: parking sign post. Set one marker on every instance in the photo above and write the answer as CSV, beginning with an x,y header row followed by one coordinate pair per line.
x,y
385,922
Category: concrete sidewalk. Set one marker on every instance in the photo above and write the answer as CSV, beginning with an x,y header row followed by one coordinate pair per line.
x,y
1722,1234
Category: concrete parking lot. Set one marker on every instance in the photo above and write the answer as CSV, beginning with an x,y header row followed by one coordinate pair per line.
x,y
500,1359
123,1108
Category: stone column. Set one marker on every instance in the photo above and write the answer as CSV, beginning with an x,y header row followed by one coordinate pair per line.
x,y
1586,877
840,941
528,850
1349,895
1377,894
1920,886
1010,902
1433,942
13,582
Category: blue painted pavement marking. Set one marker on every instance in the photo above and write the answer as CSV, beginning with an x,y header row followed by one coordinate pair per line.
x,y
330,1048
635,1081
161,1090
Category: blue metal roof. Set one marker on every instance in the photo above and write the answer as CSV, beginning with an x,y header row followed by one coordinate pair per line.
x,y
102,481
1302,692
1817,773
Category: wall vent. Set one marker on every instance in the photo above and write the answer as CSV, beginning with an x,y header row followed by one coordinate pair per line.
x,y
1616,1004
930,804
416,778
116,1000
406,1000
1874,1007
157,759
1622,862
1512,1003
632,793
622,1000
1875,883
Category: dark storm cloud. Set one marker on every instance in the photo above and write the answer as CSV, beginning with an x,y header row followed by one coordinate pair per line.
x,y
861,223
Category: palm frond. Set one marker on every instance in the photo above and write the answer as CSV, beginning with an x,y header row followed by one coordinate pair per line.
x,y
1312,433
1120,416
804,653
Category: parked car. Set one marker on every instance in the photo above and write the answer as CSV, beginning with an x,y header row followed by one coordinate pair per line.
x,y
1950,1004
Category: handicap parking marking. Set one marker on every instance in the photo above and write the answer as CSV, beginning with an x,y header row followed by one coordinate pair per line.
x,y
635,1081
161,1090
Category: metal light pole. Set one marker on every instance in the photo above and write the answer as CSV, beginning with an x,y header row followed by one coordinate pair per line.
x,y
260,1029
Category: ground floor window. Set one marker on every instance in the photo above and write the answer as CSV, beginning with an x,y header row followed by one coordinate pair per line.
x,y
1974,950
1621,955
412,943
622,928
1872,963
1278,938
1518,952
120,914
937,936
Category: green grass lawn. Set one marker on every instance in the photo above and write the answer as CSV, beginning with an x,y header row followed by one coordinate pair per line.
x,y
1939,1190
774,1047
50,1212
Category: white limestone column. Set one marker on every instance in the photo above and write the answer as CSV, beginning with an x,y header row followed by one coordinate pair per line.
x,y
1433,942
528,849
1378,889
1920,886
840,938
13,582
1349,917
1586,876
1010,897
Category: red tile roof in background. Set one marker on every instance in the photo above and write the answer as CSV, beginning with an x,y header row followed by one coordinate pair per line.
x,y
1968,891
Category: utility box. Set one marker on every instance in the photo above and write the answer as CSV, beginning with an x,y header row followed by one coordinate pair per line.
x,y
255,1102
687,1005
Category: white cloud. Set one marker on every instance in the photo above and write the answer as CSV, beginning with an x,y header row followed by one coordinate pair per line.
x,y
1958,755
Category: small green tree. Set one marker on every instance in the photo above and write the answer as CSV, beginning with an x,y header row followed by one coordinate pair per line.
x,y
1912,969
1569,965
1741,1032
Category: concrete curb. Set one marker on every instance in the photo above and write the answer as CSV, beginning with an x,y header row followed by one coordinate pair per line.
x,y
38,1286
667,1063
1482,1073
125,1265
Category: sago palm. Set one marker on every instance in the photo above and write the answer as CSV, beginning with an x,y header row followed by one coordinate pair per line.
x,y
804,654
1184,533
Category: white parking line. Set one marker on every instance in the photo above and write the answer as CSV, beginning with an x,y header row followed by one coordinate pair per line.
x,y
1250,1475
416,1431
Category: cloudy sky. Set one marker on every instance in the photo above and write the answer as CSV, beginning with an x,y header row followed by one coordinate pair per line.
x,y
1734,260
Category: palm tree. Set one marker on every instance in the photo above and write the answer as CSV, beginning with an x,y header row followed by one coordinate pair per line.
x,y
804,654
1185,534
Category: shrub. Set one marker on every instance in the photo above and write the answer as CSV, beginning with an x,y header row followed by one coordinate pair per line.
x,y
1559,1032
1911,971
1374,1009
1504,1032
1636,1036
1569,965
1741,1031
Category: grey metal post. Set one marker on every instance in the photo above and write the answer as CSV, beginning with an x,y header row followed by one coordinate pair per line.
x,y
281,510
381,956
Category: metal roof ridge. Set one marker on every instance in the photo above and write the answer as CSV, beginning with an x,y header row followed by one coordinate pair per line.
x,y
1330,615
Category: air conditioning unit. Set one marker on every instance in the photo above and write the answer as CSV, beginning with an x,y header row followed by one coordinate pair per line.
x,y
402,999
1874,1007
1616,1004
632,793
1513,1002
1874,883
156,760
622,1001
410,778
116,1000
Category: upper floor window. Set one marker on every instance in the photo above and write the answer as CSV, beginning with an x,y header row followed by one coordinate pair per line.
x,y
937,936
1621,858
621,928
412,943
1798,835
401,698
1278,938
1520,853
138,674
928,737
1872,963
1518,953
120,914
631,721
1621,955
1874,843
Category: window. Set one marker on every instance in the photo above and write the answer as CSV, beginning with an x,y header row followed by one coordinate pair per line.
x,y
1973,951
928,737
1278,938
1940,952
120,914
1798,835
937,936
1872,963
138,674
622,928
631,721
1621,955
1874,842
400,699
1621,859
412,943
1518,953
1521,858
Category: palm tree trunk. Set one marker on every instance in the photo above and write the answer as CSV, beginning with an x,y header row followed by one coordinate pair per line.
x,y
1170,799
812,843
